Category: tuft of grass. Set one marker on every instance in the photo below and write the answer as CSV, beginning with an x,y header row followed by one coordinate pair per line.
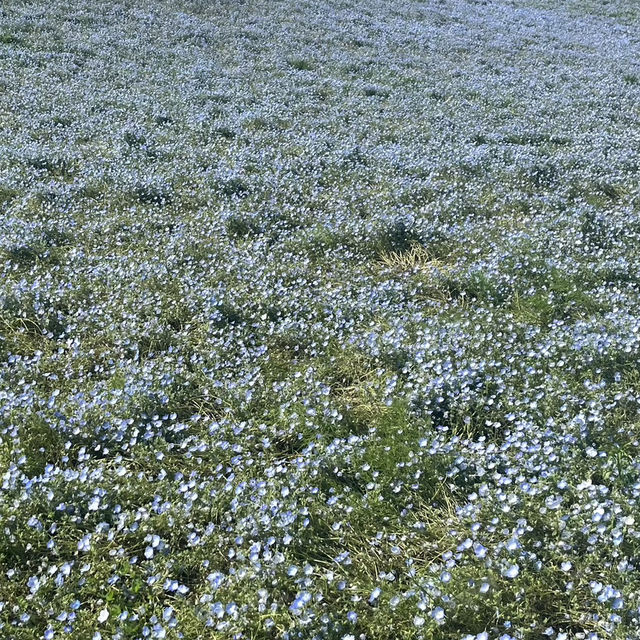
x,y
416,259
134,138
234,187
7,194
396,236
375,91
301,64
155,194
55,166
242,226
10,38
225,132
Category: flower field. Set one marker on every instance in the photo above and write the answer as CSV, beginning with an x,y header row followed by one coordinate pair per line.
x,y
320,320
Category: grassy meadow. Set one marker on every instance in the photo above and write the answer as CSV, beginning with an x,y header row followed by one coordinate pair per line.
x,y
319,320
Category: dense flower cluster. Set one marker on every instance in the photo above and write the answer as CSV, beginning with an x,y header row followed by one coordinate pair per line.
x,y
320,319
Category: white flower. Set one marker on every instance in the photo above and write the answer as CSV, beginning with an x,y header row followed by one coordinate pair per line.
x,y
85,543
438,614
512,571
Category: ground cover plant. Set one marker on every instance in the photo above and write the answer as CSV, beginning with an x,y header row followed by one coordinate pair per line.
x,y
319,319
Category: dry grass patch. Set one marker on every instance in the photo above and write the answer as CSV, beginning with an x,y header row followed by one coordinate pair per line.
x,y
416,260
